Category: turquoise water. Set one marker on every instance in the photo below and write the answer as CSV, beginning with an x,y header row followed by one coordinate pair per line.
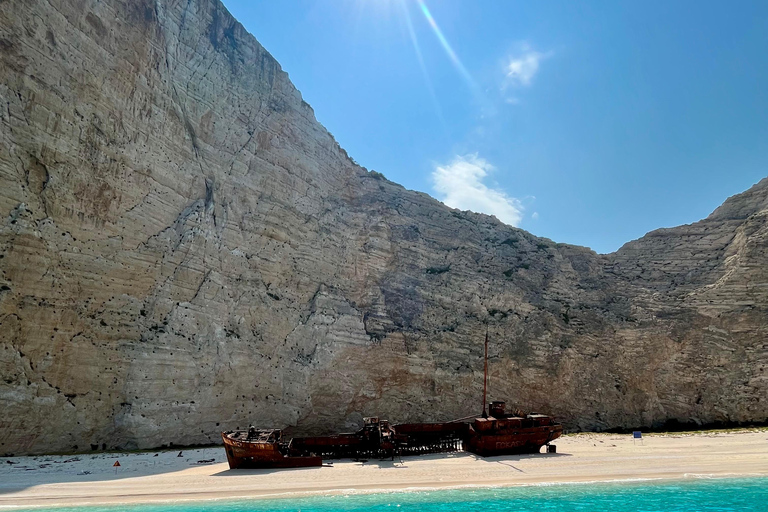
x,y
721,495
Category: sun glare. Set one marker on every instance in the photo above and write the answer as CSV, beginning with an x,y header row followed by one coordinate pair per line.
x,y
444,42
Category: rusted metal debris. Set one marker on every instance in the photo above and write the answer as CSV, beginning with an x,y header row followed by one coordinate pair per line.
x,y
255,448
495,434
492,433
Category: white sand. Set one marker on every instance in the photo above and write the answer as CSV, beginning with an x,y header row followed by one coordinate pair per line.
x,y
143,477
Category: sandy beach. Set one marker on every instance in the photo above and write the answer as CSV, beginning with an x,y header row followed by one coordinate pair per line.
x,y
145,477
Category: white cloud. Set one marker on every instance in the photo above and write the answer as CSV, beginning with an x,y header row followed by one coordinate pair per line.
x,y
461,186
522,66
520,70
535,215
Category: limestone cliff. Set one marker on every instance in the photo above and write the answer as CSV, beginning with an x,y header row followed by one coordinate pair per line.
x,y
184,248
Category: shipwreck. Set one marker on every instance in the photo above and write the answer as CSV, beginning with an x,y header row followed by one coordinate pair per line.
x,y
494,432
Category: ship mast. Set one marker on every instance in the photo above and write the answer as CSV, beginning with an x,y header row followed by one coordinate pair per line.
x,y
485,372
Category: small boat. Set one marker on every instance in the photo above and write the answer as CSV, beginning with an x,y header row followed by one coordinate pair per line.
x,y
254,448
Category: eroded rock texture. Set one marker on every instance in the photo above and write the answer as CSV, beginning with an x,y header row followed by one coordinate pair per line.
x,y
184,249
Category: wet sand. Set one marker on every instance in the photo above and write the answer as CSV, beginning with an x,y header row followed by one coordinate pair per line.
x,y
146,477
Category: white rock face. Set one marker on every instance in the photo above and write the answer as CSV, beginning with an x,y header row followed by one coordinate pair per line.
x,y
184,249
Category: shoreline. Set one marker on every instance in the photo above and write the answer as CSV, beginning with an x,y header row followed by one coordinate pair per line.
x,y
356,491
164,477
151,500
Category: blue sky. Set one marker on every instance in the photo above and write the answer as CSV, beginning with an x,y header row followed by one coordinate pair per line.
x,y
589,123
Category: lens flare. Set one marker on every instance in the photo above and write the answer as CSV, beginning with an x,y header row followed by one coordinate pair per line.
x,y
420,57
446,45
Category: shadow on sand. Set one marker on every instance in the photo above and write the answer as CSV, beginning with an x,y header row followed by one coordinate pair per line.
x,y
19,473
400,462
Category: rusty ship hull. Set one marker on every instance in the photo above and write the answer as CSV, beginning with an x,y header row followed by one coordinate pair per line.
x,y
248,451
486,436
500,433
517,441
524,441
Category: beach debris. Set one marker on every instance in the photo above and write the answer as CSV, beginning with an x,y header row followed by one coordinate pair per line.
x,y
155,455
206,461
10,462
84,473
180,455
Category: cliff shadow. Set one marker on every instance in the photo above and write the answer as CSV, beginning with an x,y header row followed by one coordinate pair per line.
x,y
19,473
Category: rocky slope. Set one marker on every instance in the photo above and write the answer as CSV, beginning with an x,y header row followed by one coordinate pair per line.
x,y
184,249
